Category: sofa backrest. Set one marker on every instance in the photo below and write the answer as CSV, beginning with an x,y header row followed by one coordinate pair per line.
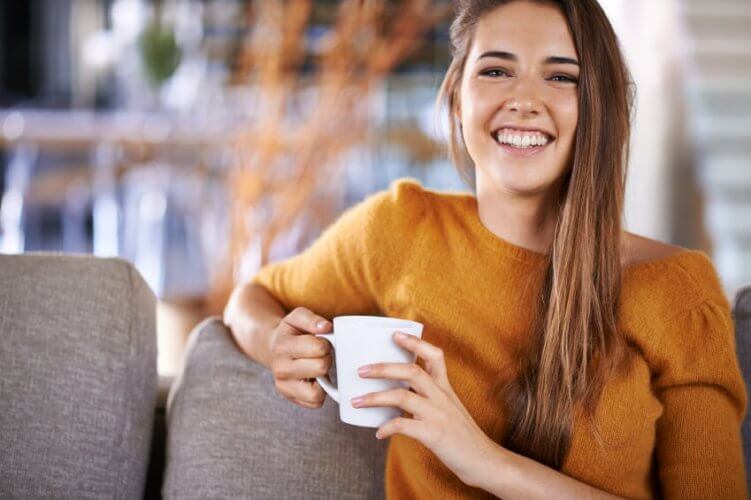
x,y
231,435
77,377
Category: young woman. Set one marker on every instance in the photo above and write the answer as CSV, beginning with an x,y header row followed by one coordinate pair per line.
x,y
561,356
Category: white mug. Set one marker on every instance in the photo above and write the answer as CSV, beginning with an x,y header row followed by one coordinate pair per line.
x,y
364,340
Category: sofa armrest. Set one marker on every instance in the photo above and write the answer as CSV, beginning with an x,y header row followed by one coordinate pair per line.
x,y
77,377
231,435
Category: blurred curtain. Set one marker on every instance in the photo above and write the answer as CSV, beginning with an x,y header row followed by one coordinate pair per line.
x,y
662,198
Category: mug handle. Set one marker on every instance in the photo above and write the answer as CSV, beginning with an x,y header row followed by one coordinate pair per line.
x,y
325,382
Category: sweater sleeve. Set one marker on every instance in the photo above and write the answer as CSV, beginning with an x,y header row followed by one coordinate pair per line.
x,y
347,269
698,381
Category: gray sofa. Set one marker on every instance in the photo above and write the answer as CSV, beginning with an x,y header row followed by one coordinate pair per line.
x,y
80,415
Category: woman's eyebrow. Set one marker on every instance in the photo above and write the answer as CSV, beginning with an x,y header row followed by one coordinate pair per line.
x,y
499,54
561,60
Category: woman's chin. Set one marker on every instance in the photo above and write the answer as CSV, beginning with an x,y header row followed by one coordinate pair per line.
x,y
520,183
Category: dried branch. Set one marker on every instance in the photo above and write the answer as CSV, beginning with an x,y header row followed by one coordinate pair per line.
x,y
290,155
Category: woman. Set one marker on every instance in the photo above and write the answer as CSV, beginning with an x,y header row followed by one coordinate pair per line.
x,y
562,356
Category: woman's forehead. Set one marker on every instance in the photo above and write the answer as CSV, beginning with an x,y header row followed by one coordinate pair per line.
x,y
524,28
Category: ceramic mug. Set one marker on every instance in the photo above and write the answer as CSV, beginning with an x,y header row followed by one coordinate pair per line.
x,y
364,340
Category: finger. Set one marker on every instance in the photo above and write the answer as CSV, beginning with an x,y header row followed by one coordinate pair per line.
x,y
307,346
396,398
306,321
306,392
411,373
305,404
298,369
405,426
435,362
296,346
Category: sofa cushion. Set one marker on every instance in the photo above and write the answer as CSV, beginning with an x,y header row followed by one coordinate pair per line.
x,y
77,377
231,435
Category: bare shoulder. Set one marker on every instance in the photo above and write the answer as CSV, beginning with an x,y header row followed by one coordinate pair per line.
x,y
636,248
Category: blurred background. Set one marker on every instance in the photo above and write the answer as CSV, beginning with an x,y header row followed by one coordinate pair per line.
x,y
200,139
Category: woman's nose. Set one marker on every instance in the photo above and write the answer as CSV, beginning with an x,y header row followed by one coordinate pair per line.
x,y
523,105
523,100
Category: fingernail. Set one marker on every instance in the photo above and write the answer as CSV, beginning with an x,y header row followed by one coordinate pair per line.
x,y
364,370
400,335
357,401
321,324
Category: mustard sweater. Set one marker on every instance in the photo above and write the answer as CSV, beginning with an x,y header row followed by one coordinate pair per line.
x,y
671,423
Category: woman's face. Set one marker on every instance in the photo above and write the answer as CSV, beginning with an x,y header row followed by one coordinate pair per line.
x,y
518,100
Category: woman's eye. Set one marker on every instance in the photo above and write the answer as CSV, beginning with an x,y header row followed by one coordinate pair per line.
x,y
493,72
564,78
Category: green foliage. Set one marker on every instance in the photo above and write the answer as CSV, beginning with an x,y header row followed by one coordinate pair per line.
x,y
160,52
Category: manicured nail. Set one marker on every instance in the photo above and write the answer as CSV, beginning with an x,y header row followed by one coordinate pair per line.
x,y
400,335
357,401
364,370
321,325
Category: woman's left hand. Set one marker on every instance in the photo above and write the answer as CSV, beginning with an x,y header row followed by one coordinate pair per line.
x,y
440,420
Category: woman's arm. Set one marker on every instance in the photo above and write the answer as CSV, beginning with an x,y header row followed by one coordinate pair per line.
x,y
252,315
509,475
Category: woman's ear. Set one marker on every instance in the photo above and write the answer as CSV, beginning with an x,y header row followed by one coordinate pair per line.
x,y
458,114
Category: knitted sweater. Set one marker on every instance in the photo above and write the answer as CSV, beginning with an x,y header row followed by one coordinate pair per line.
x,y
670,421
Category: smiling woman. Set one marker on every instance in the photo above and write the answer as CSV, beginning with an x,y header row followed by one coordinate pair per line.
x,y
561,357
517,71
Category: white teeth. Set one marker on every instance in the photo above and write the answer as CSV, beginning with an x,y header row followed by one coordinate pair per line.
x,y
522,140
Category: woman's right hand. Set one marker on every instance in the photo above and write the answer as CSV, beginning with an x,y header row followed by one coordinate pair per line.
x,y
298,356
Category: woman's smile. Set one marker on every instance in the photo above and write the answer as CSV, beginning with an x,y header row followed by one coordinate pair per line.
x,y
522,142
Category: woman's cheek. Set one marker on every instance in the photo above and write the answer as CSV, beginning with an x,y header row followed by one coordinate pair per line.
x,y
568,110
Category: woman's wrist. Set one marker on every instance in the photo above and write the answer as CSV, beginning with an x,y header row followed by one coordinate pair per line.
x,y
493,462
253,321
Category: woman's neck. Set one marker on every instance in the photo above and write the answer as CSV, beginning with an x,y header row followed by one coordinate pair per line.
x,y
527,222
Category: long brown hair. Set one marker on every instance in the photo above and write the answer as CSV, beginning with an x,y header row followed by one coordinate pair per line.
x,y
575,346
